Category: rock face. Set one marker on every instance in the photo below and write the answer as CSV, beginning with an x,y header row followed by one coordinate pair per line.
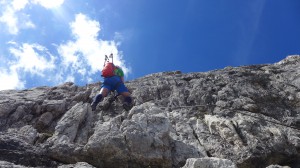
x,y
210,162
235,117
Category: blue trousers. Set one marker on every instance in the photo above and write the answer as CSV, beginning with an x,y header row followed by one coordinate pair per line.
x,y
114,83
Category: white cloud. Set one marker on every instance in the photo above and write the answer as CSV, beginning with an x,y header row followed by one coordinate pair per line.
x,y
8,17
10,80
49,3
70,79
19,4
14,17
85,54
78,59
83,28
118,37
26,60
32,58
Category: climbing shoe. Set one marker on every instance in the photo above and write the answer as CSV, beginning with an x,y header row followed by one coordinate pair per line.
x,y
94,105
127,106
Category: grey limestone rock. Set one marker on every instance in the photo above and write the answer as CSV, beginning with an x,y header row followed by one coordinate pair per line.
x,y
77,165
210,162
277,166
4,164
246,117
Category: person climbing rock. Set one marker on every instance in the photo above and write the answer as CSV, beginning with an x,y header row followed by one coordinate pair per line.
x,y
113,80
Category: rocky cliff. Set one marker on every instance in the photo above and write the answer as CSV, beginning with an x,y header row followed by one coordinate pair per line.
x,y
245,116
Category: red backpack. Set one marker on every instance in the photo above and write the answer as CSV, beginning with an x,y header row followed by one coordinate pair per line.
x,y
109,68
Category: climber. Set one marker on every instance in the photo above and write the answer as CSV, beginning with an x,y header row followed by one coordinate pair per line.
x,y
113,80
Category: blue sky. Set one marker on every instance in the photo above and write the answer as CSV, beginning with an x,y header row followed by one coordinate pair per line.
x,y
46,42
